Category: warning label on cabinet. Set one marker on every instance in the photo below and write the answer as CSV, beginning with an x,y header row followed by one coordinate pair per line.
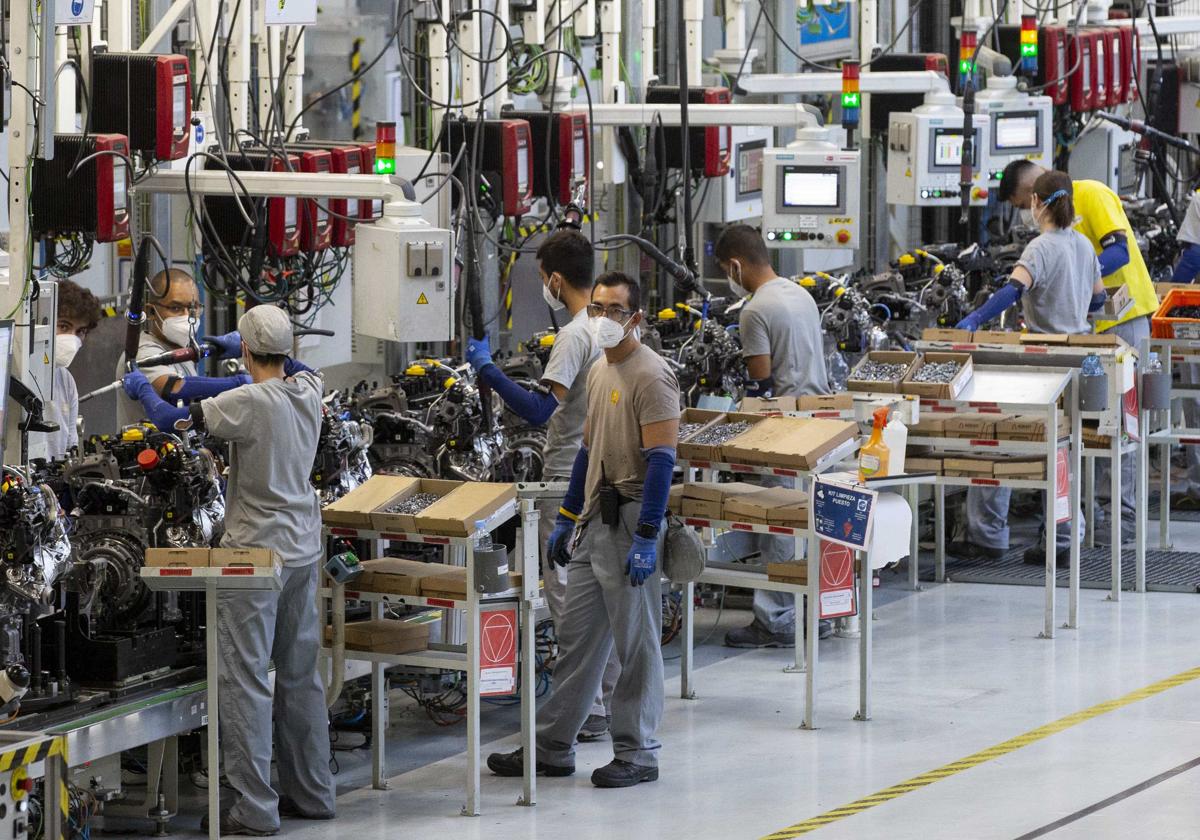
x,y
497,653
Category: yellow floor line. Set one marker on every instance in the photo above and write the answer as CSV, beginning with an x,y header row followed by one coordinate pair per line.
x,y
975,759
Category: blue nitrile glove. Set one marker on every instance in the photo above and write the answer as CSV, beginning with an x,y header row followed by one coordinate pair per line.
x,y
291,367
230,344
642,560
1097,302
479,352
1189,265
136,385
560,541
1001,300
193,388
534,407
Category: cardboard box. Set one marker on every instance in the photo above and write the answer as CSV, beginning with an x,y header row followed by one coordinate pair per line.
x,y
715,491
261,558
940,390
972,426
1092,438
395,575
384,636
449,583
794,572
967,467
996,337
195,558
923,465
675,499
456,513
1045,338
891,357
826,402
696,415
771,506
403,523
1107,339
703,452
1025,427
355,508
1118,301
928,425
1034,470
703,508
798,442
767,405
954,336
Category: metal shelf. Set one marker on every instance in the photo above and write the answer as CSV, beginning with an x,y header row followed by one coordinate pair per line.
x,y
1186,437
200,578
994,447
825,463
490,524
508,595
446,660
750,580
750,527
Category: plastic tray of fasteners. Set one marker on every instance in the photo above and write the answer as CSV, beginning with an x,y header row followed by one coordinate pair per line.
x,y
881,370
941,376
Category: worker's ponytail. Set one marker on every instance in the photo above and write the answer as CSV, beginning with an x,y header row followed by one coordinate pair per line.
x,y
1057,196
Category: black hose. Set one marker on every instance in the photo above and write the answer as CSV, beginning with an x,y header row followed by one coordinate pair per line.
x,y
689,257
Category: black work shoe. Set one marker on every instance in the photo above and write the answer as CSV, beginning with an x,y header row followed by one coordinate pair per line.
x,y
288,809
593,729
967,550
619,774
230,826
1036,556
757,636
513,764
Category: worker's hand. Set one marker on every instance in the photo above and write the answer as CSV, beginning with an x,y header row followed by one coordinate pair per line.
x,y
230,344
971,322
642,560
243,378
558,545
136,385
291,367
479,353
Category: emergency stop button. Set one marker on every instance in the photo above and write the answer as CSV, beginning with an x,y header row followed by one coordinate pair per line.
x,y
842,236
979,193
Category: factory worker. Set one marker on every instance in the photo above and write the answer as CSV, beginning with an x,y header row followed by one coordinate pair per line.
x,y
1058,282
172,311
566,264
78,314
610,527
272,425
1186,496
780,330
1101,218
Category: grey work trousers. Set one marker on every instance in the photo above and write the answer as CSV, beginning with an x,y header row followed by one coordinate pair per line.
x,y
1190,375
776,611
255,628
1133,332
554,579
987,519
604,613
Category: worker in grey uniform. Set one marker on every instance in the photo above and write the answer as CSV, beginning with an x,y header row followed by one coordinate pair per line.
x,y
172,311
1058,281
613,515
272,426
78,314
566,264
780,330
1186,495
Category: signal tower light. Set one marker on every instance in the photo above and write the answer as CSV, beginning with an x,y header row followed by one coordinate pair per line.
x,y
851,99
966,55
385,148
1029,44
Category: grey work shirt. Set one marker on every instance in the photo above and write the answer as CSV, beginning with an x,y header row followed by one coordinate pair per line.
x,y
1189,229
781,320
1064,269
637,391
570,361
130,411
272,428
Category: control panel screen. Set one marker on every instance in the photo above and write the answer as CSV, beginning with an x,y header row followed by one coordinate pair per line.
x,y
813,188
579,155
748,168
1085,78
118,184
1016,133
947,147
179,106
1127,171
522,167
289,213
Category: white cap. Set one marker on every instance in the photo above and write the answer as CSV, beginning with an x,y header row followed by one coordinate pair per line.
x,y
266,330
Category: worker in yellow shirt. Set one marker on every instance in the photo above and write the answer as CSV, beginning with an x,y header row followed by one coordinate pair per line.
x,y
1102,219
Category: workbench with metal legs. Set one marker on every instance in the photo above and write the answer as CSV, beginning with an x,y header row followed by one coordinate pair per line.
x,y
455,657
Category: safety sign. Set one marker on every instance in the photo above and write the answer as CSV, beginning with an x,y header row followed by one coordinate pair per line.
x,y
837,580
1062,487
497,653
842,513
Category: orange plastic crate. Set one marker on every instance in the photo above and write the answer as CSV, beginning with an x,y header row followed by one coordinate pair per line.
x,y
1162,326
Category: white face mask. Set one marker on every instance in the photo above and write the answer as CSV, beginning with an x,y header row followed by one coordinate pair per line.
x,y
1028,219
65,348
551,301
607,332
177,330
735,284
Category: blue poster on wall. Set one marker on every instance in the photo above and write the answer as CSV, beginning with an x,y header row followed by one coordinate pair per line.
x,y
823,24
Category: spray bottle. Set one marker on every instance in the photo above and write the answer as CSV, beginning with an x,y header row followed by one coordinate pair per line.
x,y
895,435
873,457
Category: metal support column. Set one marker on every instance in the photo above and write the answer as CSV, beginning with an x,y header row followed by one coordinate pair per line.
x,y
1115,513
913,493
866,591
1050,539
380,711
1075,453
471,808
939,536
812,615
687,658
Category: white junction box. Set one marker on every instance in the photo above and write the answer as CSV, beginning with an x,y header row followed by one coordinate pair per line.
x,y
744,184
403,282
1106,153
1021,127
925,154
811,193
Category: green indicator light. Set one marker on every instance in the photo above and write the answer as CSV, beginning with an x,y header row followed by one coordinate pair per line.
x,y
787,236
849,100
1029,49
385,166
